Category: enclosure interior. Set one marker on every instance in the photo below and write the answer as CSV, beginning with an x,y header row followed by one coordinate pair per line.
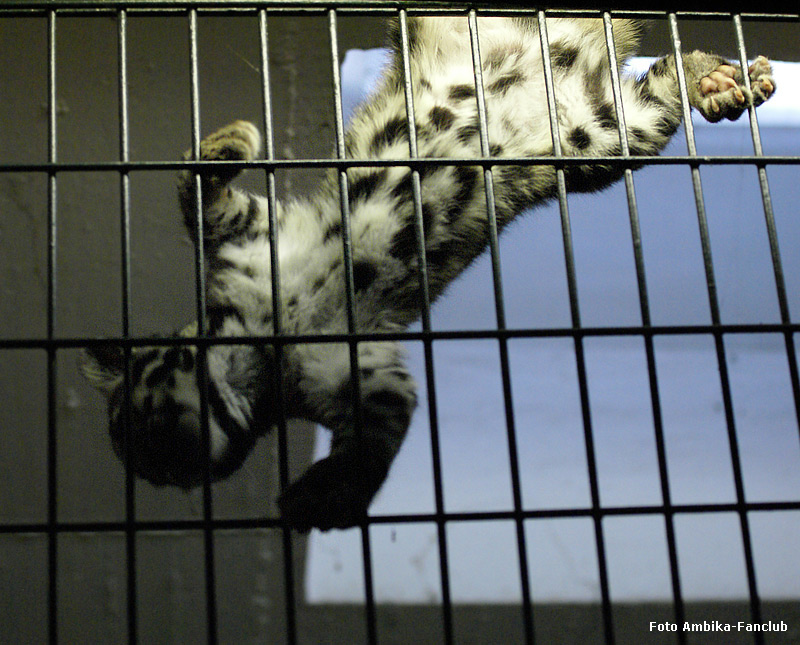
x,y
583,533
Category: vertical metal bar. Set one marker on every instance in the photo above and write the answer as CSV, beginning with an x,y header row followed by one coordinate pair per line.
x,y
347,249
644,307
272,207
755,603
583,385
508,401
772,232
202,358
52,258
433,417
130,503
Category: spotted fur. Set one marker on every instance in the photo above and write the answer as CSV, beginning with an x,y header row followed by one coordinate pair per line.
x,y
368,405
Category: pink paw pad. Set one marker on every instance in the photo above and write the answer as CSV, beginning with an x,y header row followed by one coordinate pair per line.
x,y
721,81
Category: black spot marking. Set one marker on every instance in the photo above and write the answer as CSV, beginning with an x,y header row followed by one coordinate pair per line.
x,y
441,117
605,115
666,127
171,357
365,186
387,399
292,302
218,314
400,374
157,374
635,132
235,221
495,150
425,84
461,92
364,274
494,58
395,130
502,84
334,231
252,212
468,132
318,284
186,363
427,217
521,178
404,190
466,178
563,56
394,35
440,256
645,93
140,362
661,67
592,177
579,138
224,264
404,243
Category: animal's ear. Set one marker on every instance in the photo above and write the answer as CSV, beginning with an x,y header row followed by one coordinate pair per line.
x,y
103,366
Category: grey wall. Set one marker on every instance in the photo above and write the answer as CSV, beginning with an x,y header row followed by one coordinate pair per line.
x,y
90,482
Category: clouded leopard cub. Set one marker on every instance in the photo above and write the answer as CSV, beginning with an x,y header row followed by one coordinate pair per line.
x,y
164,435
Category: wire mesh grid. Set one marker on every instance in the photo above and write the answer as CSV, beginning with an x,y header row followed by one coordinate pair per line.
x,y
210,526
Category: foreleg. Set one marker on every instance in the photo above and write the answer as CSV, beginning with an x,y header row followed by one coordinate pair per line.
x,y
228,212
715,88
653,111
336,491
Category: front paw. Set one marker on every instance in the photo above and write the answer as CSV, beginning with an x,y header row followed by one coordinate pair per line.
x,y
237,141
723,95
761,81
335,492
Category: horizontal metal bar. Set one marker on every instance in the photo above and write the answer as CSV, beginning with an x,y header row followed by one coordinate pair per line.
x,y
409,518
414,163
492,334
683,8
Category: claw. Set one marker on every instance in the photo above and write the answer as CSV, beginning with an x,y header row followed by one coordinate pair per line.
x,y
739,95
714,106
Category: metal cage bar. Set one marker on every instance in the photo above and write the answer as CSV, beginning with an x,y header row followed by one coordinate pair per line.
x,y
125,256
52,250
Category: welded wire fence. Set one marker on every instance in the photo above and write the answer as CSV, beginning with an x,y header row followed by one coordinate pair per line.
x,y
210,526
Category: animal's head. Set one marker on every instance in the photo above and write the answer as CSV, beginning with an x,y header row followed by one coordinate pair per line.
x,y
156,428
